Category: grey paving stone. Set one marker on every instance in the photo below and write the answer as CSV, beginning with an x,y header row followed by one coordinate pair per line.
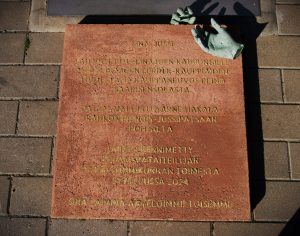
x,y
8,116
12,47
280,203
30,196
14,15
29,81
270,85
45,48
148,228
25,155
87,227
22,226
276,160
38,117
248,229
268,15
278,51
288,18
292,85
295,160
4,189
281,121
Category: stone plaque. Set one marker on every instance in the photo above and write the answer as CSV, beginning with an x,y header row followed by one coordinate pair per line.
x,y
148,7
149,127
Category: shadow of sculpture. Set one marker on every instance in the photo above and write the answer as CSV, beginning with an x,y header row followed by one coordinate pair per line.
x,y
244,29
117,19
199,6
250,30
293,226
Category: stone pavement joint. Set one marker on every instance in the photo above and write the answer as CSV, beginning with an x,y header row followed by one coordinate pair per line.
x,y
29,82
4,194
270,85
87,227
14,15
25,155
280,202
14,51
38,118
30,196
276,160
8,116
292,85
295,160
44,48
288,19
281,121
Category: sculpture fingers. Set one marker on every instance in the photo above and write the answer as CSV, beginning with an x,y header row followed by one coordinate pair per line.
x,y
216,26
189,10
183,16
189,20
199,41
176,17
192,20
175,20
201,32
180,12
194,33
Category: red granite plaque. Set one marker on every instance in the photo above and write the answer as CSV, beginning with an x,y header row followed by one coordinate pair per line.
x,y
149,128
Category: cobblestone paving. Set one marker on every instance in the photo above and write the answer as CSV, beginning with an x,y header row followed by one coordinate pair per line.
x,y
29,79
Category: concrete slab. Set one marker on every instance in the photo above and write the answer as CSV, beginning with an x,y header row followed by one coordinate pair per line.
x,y
39,21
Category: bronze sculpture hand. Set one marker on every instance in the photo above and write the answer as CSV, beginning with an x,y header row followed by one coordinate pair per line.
x,y
183,16
220,44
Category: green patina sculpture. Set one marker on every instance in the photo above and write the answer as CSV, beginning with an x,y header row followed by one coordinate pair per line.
x,y
183,16
220,44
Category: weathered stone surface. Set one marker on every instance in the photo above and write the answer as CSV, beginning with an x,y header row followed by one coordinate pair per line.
x,y
22,226
30,196
8,116
247,229
29,81
268,15
25,155
12,52
270,85
292,85
169,228
288,19
295,160
4,189
150,127
14,15
39,20
280,202
38,117
45,48
278,51
276,160
87,227
281,121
